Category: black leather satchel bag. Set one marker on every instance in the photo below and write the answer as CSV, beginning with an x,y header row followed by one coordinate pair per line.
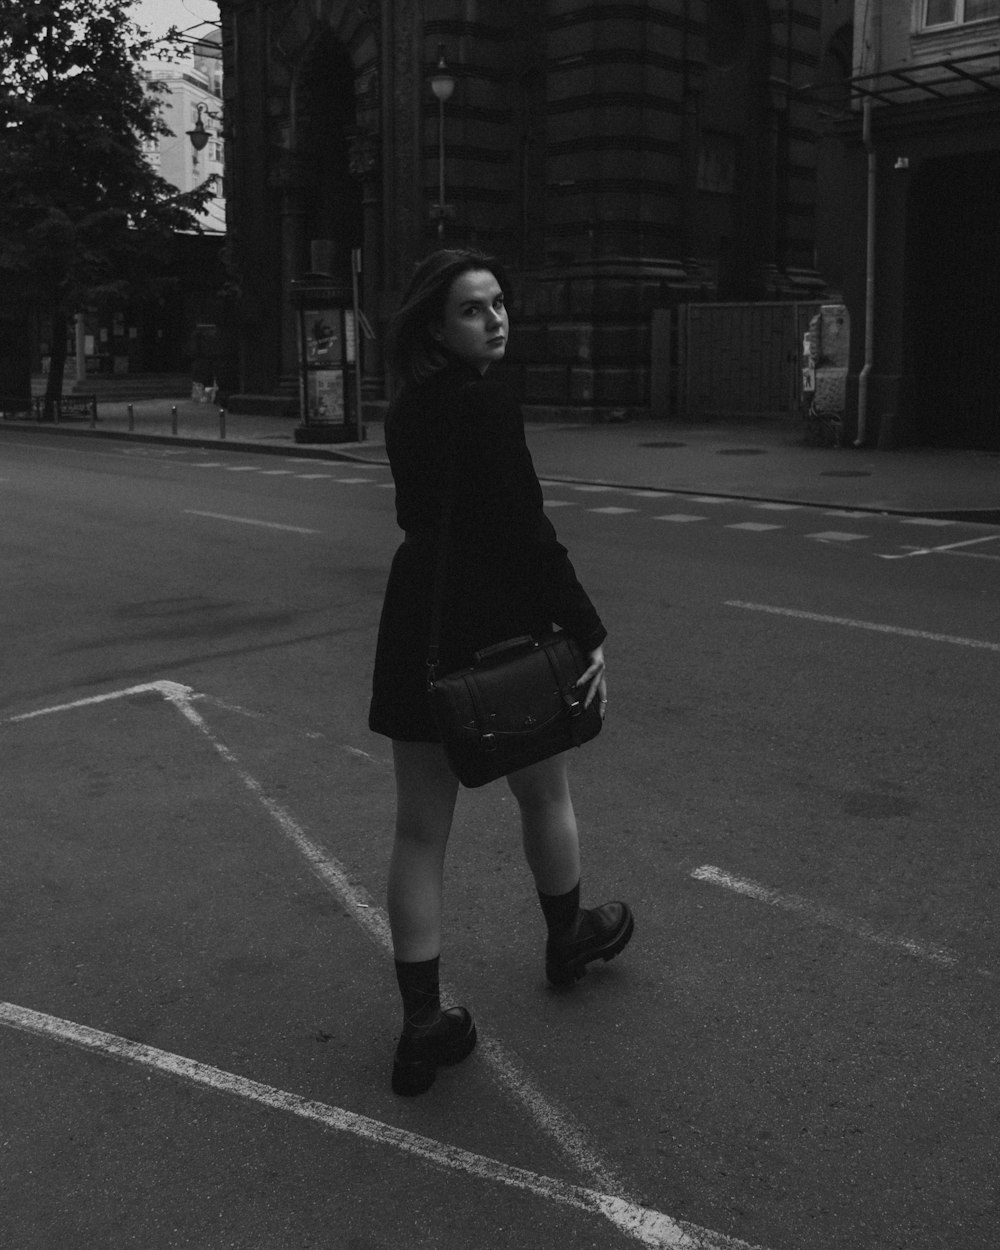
x,y
517,704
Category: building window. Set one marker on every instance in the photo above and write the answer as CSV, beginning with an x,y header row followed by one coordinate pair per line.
x,y
958,12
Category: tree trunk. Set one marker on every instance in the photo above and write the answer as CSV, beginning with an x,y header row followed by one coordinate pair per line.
x,y
57,365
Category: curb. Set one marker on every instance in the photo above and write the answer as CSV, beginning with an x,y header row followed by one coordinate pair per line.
x,y
982,516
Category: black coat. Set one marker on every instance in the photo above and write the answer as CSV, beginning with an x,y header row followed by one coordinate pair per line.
x,y
507,573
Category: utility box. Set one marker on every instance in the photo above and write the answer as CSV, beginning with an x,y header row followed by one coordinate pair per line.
x,y
826,347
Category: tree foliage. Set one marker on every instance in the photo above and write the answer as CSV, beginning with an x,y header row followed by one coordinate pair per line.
x,y
83,213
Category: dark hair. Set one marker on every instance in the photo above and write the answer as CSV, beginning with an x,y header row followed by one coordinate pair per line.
x,y
411,352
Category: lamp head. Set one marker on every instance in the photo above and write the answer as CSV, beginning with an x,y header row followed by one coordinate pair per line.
x,y
442,82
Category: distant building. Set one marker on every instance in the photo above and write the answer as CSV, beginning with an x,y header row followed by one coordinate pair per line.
x,y
621,158
193,93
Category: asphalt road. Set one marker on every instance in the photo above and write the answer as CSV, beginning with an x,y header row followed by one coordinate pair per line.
x,y
796,790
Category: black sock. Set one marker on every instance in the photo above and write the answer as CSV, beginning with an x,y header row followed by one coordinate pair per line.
x,y
560,910
418,984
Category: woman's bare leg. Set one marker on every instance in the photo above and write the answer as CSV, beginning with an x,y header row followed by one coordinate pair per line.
x,y
548,824
426,790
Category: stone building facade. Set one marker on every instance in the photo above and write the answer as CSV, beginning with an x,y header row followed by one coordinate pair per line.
x,y
927,75
619,157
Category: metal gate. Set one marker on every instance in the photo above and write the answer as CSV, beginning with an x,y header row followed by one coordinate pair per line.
x,y
740,360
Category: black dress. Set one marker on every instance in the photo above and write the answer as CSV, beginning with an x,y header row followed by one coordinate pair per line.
x,y
507,573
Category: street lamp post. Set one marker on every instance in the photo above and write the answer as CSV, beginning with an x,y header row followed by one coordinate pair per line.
x,y
442,84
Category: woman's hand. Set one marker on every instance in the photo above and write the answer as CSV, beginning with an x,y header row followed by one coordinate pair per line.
x,y
593,679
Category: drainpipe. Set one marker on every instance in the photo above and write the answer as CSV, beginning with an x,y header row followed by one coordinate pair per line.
x,y
869,279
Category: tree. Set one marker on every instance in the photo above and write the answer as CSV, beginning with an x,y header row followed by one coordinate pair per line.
x,y
84,218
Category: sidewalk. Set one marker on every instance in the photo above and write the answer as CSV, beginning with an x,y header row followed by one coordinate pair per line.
x,y
765,461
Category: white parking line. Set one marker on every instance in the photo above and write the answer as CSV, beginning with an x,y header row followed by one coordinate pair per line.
x,y
243,520
641,1224
948,547
557,1124
830,917
975,643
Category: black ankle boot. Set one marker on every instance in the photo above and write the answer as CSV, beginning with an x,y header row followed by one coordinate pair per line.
x,y
422,1050
597,933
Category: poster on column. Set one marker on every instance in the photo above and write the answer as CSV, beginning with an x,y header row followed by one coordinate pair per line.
x,y
325,394
322,334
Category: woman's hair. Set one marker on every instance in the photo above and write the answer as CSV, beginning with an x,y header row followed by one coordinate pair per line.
x,y
411,352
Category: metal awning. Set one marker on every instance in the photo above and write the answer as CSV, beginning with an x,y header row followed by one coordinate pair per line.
x,y
953,78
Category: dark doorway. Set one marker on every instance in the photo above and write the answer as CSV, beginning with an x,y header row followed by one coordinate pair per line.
x,y
953,301
325,120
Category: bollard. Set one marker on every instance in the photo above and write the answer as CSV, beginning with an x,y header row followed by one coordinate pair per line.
x,y
173,420
131,418
222,424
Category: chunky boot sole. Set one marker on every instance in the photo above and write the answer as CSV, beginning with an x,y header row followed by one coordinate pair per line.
x,y
418,1058
564,968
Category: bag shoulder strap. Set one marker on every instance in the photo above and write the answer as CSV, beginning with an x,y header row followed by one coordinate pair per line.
x,y
443,548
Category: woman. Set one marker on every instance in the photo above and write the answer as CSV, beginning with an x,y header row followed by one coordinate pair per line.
x,y
507,576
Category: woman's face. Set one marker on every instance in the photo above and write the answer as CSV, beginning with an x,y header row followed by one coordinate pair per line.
x,y
475,321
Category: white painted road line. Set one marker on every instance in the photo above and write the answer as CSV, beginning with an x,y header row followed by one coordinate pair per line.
x,y
836,536
829,917
612,511
589,487
243,520
924,520
975,643
778,507
313,477
559,503
753,527
948,547
680,517
276,472
642,1224
241,468
557,1124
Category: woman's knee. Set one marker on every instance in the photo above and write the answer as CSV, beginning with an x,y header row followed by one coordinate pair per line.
x,y
541,786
